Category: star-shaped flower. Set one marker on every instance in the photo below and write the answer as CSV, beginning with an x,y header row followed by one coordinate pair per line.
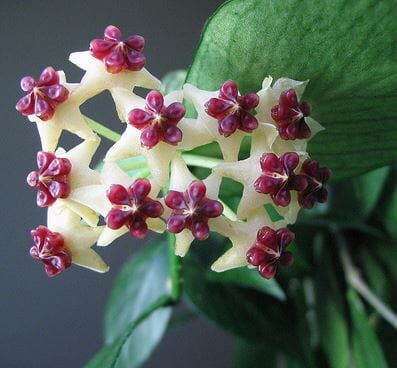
x,y
242,235
269,250
131,207
97,198
59,174
316,178
52,105
113,63
229,146
65,240
232,110
247,172
269,97
159,157
190,225
117,54
278,177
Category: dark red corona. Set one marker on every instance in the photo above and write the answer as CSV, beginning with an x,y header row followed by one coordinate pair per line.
x,y
191,210
233,111
119,54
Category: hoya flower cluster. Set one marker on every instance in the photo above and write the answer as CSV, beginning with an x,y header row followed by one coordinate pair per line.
x,y
166,196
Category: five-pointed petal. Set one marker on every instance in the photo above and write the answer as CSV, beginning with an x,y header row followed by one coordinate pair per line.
x,y
78,238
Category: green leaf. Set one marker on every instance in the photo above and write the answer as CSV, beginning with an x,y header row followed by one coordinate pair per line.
x,y
173,81
111,356
368,188
246,313
352,82
367,351
140,285
391,216
249,278
333,329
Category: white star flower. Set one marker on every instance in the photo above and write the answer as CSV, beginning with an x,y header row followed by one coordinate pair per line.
x,y
78,238
67,117
95,197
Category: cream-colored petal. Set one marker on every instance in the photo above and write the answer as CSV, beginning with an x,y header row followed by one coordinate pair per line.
x,y
87,214
183,241
109,235
156,224
94,197
129,145
194,134
181,177
97,79
242,239
126,100
90,259
67,117
78,238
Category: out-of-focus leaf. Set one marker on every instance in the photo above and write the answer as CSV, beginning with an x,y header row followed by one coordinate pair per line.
x,y
368,188
141,283
391,216
331,319
246,313
367,351
250,278
352,84
173,81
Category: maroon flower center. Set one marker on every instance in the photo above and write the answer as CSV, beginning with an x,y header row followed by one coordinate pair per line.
x,y
158,122
131,207
49,247
191,210
269,250
315,190
44,95
290,115
119,54
278,177
51,178
232,110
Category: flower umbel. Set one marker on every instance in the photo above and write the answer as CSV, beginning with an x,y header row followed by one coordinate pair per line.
x,y
50,249
191,210
269,250
43,95
131,207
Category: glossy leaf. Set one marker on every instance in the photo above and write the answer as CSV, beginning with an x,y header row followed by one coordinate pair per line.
x,y
245,313
367,351
391,215
249,278
352,80
139,286
368,188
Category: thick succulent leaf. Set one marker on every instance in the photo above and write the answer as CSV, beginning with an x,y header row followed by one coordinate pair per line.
x,y
391,215
367,351
141,284
368,188
245,313
352,82
249,278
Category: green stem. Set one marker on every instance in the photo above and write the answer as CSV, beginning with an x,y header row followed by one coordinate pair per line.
x,y
102,130
176,270
354,279
201,161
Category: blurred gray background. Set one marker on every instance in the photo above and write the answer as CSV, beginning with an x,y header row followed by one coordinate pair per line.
x,y
57,322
